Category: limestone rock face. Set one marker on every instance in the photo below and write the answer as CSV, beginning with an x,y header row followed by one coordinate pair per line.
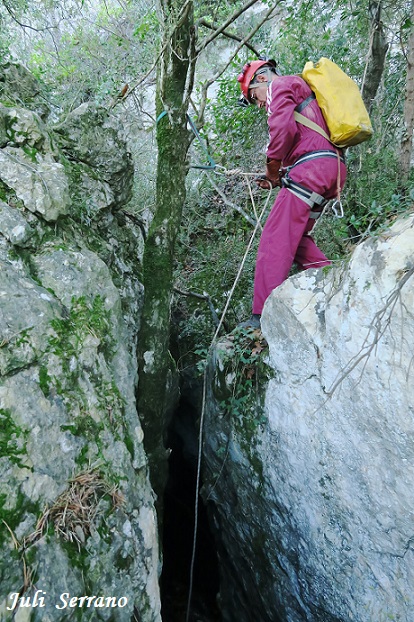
x,y
19,86
314,509
87,137
41,185
13,226
77,510
29,165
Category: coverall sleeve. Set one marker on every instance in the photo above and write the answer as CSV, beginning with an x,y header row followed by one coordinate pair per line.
x,y
281,104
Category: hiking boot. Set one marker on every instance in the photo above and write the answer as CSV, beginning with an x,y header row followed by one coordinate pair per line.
x,y
252,323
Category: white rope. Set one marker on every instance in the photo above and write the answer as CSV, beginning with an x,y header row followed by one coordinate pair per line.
x,y
203,406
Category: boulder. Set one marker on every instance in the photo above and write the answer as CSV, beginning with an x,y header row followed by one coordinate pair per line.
x,y
40,184
311,497
30,166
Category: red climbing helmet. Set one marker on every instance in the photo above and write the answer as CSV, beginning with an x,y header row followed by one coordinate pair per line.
x,y
248,73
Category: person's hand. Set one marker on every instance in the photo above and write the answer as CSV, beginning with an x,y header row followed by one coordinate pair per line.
x,y
265,183
273,172
271,178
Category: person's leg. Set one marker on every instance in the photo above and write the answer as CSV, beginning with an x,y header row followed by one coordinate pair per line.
x,y
308,255
284,231
320,175
278,245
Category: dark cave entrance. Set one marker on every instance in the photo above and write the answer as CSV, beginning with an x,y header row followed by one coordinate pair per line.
x,y
178,531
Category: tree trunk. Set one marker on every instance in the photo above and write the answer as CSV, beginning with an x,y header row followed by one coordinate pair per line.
x,y
156,368
407,139
377,54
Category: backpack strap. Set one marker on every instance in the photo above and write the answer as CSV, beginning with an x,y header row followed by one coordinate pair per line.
x,y
300,118
305,102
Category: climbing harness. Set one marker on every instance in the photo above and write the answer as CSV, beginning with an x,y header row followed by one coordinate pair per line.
x,y
311,155
311,198
211,165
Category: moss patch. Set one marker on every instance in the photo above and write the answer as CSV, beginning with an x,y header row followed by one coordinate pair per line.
x,y
12,439
83,318
12,517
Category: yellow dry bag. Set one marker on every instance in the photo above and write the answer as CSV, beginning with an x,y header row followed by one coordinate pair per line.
x,y
341,103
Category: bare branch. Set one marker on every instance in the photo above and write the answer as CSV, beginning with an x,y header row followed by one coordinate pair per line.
x,y
208,83
132,87
21,24
223,27
229,35
109,30
225,200
204,296
191,294
378,326
192,56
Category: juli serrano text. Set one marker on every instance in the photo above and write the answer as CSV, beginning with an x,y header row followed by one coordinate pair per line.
x,y
65,601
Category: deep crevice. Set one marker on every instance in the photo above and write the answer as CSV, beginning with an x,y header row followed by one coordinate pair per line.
x,y
178,531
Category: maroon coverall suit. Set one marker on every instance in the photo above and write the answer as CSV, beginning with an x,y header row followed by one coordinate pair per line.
x,y
285,239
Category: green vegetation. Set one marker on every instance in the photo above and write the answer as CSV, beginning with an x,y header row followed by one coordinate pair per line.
x,y
85,426
247,368
12,514
211,247
84,318
12,439
240,389
8,195
44,380
31,152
